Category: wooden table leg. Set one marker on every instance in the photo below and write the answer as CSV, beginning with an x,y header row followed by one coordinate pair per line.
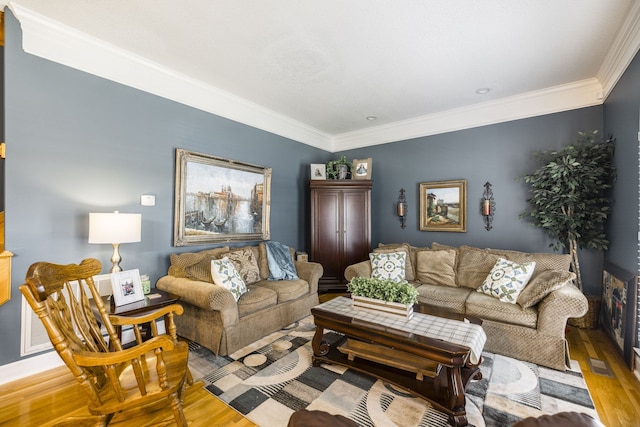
x,y
320,347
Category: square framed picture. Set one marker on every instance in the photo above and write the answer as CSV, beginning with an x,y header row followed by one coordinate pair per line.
x,y
362,168
443,206
318,171
127,287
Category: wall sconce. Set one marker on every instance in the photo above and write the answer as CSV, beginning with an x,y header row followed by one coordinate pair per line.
x,y
488,206
115,228
401,208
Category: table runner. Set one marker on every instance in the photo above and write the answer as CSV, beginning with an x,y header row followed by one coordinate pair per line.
x,y
458,332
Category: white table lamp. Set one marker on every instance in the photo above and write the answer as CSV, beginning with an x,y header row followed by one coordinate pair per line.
x,y
115,228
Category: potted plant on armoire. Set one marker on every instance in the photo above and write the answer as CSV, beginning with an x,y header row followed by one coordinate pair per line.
x,y
570,200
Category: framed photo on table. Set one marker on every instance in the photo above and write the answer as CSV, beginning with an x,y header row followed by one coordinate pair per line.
x,y
127,287
443,206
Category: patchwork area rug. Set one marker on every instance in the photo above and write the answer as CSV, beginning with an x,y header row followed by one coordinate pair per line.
x,y
270,379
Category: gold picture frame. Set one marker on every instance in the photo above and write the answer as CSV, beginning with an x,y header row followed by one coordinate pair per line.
x,y
362,168
220,200
443,206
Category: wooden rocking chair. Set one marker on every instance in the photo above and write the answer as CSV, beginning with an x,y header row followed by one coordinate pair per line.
x,y
154,371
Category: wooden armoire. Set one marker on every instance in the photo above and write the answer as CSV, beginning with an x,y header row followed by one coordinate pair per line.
x,y
340,228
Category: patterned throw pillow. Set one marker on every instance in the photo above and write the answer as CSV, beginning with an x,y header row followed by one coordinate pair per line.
x,y
246,264
507,279
225,275
388,265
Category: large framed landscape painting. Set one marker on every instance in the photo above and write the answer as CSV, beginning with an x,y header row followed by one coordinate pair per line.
x,y
443,205
220,200
618,312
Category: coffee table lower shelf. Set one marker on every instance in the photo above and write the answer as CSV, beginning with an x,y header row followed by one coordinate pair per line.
x,y
435,390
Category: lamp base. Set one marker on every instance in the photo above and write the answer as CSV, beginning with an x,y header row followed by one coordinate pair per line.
x,y
116,258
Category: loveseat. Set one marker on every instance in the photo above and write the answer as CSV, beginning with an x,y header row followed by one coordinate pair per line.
x,y
212,316
529,328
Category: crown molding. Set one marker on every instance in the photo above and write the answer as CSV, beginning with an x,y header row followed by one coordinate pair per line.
x,y
571,96
51,40
622,51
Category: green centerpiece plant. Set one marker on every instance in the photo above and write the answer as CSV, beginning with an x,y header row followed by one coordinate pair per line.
x,y
385,290
570,195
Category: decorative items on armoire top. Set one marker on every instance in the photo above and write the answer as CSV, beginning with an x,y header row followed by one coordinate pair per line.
x,y
339,169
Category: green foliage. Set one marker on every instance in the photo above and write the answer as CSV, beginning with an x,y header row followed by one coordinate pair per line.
x,y
386,290
570,192
332,167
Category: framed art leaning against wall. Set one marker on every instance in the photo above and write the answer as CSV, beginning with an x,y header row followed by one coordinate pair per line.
x,y
220,200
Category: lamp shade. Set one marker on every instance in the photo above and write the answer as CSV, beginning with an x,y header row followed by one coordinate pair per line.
x,y
114,227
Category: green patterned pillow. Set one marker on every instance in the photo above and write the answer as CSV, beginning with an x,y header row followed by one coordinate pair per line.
x,y
225,275
390,265
507,279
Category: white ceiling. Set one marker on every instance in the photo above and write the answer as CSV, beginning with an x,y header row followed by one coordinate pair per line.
x,y
314,71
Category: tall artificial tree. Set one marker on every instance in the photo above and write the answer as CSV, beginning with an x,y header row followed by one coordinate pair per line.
x,y
570,195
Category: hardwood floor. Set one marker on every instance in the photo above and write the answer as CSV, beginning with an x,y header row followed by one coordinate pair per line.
x,y
48,398
617,399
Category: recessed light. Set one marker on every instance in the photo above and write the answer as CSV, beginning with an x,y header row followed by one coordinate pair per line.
x,y
483,90
372,118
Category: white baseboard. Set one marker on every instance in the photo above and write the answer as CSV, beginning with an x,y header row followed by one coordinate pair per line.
x,y
31,366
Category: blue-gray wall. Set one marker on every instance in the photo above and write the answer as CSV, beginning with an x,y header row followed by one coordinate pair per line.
x,y
498,154
621,116
78,144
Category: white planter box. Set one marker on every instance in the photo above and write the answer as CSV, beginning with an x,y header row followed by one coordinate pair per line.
x,y
383,307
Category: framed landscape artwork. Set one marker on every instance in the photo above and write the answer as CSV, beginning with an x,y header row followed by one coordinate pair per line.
x,y
443,206
618,311
220,200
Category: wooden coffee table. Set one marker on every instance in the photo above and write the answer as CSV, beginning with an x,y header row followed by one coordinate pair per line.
x,y
401,352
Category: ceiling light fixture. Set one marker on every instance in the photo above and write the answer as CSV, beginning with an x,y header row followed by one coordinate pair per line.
x,y
483,90
372,118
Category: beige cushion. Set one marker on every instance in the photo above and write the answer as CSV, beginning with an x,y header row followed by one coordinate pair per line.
x,y
245,262
436,245
256,299
436,267
473,266
399,247
543,284
263,264
179,262
447,297
287,290
544,261
489,308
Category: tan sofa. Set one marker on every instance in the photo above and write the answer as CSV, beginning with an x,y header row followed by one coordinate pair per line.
x,y
532,330
214,319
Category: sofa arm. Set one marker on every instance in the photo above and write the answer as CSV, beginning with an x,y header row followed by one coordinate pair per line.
x,y
557,307
311,272
205,295
361,269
